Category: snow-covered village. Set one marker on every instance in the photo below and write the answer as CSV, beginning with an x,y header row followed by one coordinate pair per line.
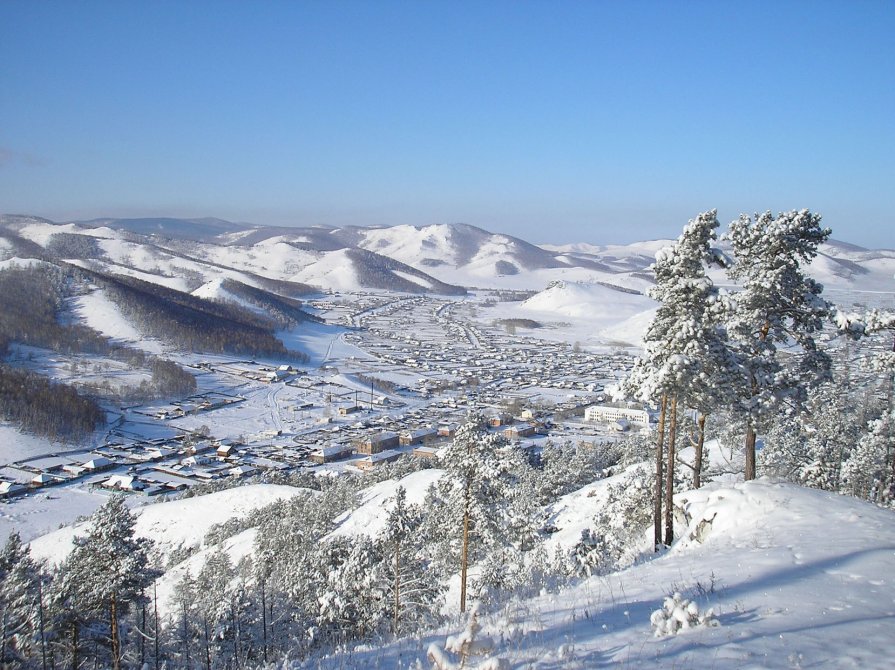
x,y
609,421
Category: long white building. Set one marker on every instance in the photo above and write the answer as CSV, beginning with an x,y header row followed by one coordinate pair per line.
x,y
614,413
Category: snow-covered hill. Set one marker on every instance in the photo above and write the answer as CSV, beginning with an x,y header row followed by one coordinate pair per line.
x,y
185,253
798,578
176,525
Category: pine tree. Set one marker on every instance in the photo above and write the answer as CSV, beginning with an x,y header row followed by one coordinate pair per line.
x,y
213,590
778,306
410,586
351,598
686,361
182,627
832,429
19,603
401,523
864,474
112,566
472,490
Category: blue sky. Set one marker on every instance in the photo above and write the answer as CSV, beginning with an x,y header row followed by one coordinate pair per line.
x,y
599,122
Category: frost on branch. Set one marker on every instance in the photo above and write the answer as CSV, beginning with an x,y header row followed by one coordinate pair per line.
x,y
466,644
677,614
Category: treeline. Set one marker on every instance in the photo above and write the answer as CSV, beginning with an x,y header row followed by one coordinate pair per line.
x,y
45,408
284,312
191,323
31,299
377,271
71,245
377,383
170,379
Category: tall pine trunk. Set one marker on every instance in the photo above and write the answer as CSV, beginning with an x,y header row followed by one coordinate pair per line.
x,y
263,585
700,443
74,645
40,615
113,624
207,647
749,473
464,557
750,452
143,635
397,583
155,630
669,475
657,500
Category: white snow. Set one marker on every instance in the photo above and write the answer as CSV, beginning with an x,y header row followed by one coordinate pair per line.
x,y
97,311
176,523
797,578
335,270
410,245
376,503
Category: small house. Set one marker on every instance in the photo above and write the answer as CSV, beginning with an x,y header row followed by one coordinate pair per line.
x,y
373,460
426,452
97,464
124,483
518,431
419,436
9,489
378,443
44,479
330,454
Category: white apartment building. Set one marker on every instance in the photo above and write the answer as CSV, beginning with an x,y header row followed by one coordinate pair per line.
x,y
614,413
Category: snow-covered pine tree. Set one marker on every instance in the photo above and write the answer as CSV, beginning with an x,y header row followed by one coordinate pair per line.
x,y
70,609
686,359
181,627
778,306
286,552
414,592
877,321
351,600
832,429
864,473
213,589
113,566
471,491
19,603
523,509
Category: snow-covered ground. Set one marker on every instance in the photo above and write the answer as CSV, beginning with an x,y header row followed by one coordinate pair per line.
x,y
175,524
798,578
96,311
34,515
377,502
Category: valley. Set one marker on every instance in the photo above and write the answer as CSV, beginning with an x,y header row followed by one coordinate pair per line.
x,y
268,395
379,364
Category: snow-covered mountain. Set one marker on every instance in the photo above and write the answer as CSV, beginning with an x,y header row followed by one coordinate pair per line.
x,y
185,253
604,286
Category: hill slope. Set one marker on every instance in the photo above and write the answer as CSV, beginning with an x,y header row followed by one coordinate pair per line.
x,y
798,578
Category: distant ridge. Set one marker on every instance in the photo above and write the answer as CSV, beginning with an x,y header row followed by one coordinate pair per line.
x,y
438,258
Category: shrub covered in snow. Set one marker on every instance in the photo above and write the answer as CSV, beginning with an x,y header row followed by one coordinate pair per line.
x,y
678,613
465,645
